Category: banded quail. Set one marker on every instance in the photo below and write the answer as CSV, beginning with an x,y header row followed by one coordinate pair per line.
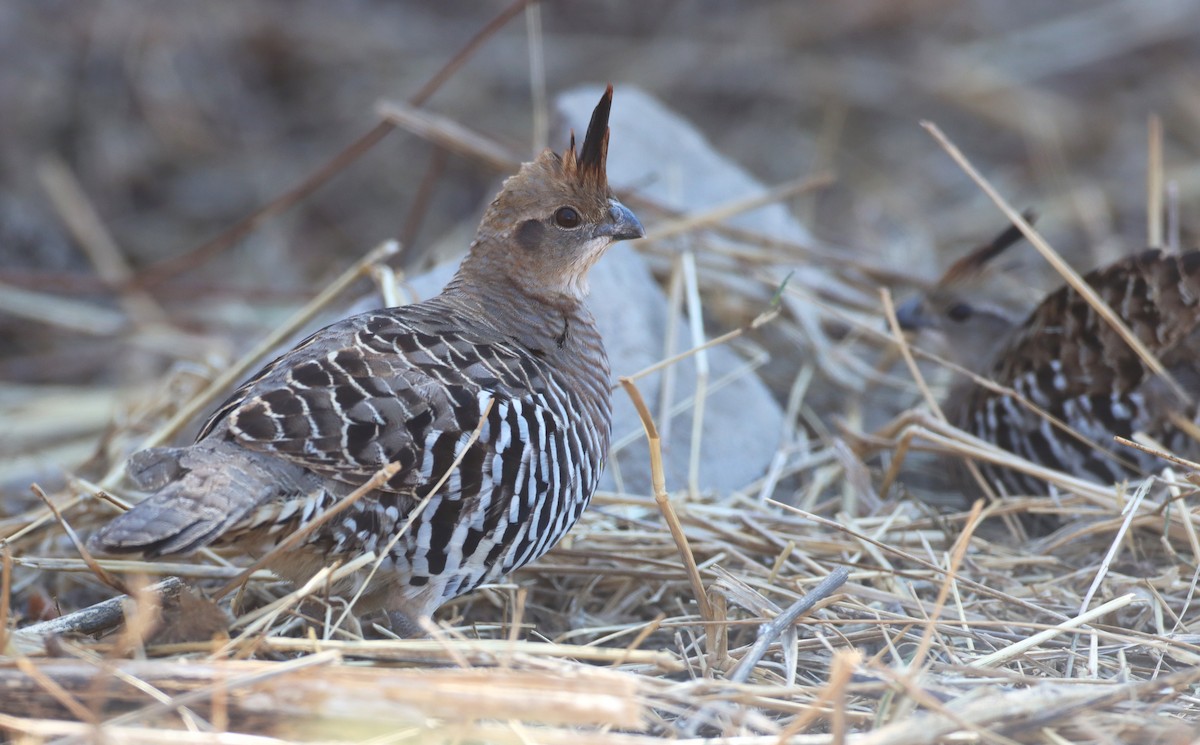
x,y
1065,359
410,385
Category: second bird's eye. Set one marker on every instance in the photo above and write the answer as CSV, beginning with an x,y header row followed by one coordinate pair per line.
x,y
960,312
567,217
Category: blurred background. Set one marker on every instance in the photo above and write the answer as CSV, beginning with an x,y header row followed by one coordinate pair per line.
x,y
153,127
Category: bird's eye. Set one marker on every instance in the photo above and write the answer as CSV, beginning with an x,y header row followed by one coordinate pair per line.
x,y
959,312
567,217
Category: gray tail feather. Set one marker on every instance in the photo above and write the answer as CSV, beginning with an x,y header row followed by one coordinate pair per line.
x,y
156,527
202,492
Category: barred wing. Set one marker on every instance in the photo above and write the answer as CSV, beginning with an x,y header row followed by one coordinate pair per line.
x,y
391,385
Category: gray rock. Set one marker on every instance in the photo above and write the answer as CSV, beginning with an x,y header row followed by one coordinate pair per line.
x,y
665,158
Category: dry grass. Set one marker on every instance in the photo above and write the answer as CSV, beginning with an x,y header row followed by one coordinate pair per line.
x,y
817,605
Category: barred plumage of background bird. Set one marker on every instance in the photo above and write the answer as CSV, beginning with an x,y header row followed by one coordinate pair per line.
x,y
411,385
1068,361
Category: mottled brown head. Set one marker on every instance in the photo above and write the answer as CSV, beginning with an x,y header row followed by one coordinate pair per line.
x,y
552,221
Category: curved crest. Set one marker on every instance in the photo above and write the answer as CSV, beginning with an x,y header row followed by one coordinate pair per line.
x,y
588,166
974,262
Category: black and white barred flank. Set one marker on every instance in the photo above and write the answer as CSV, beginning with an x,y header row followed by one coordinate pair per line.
x,y
400,385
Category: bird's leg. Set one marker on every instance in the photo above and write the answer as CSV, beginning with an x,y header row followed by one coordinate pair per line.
x,y
404,625
395,621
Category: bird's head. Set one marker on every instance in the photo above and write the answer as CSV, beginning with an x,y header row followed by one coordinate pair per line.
x,y
554,218
971,309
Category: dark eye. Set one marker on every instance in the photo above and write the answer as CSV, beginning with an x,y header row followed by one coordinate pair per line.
x,y
567,217
959,312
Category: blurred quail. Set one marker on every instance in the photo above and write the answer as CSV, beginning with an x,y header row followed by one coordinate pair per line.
x,y
410,385
1064,358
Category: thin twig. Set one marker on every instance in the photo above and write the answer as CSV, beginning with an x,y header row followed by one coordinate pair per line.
x,y
84,554
93,619
770,632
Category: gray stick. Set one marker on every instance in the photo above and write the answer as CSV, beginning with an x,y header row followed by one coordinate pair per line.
x,y
90,620
769,632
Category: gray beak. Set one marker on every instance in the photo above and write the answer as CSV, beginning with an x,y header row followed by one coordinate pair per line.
x,y
912,315
622,224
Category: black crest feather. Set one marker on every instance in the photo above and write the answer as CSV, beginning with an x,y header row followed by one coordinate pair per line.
x,y
589,164
974,262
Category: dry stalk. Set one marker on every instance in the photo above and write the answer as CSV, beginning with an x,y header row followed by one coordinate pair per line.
x,y
81,218
141,615
695,311
75,315
659,483
926,564
763,318
232,682
831,699
1003,655
639,639
134,566
6,565
1154,182
56,691
959,551
260,620
930,400
722,212
479,652
44,729
87,557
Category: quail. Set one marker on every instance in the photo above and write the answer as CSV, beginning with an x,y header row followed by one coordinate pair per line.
x,y
1065,359
508,350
